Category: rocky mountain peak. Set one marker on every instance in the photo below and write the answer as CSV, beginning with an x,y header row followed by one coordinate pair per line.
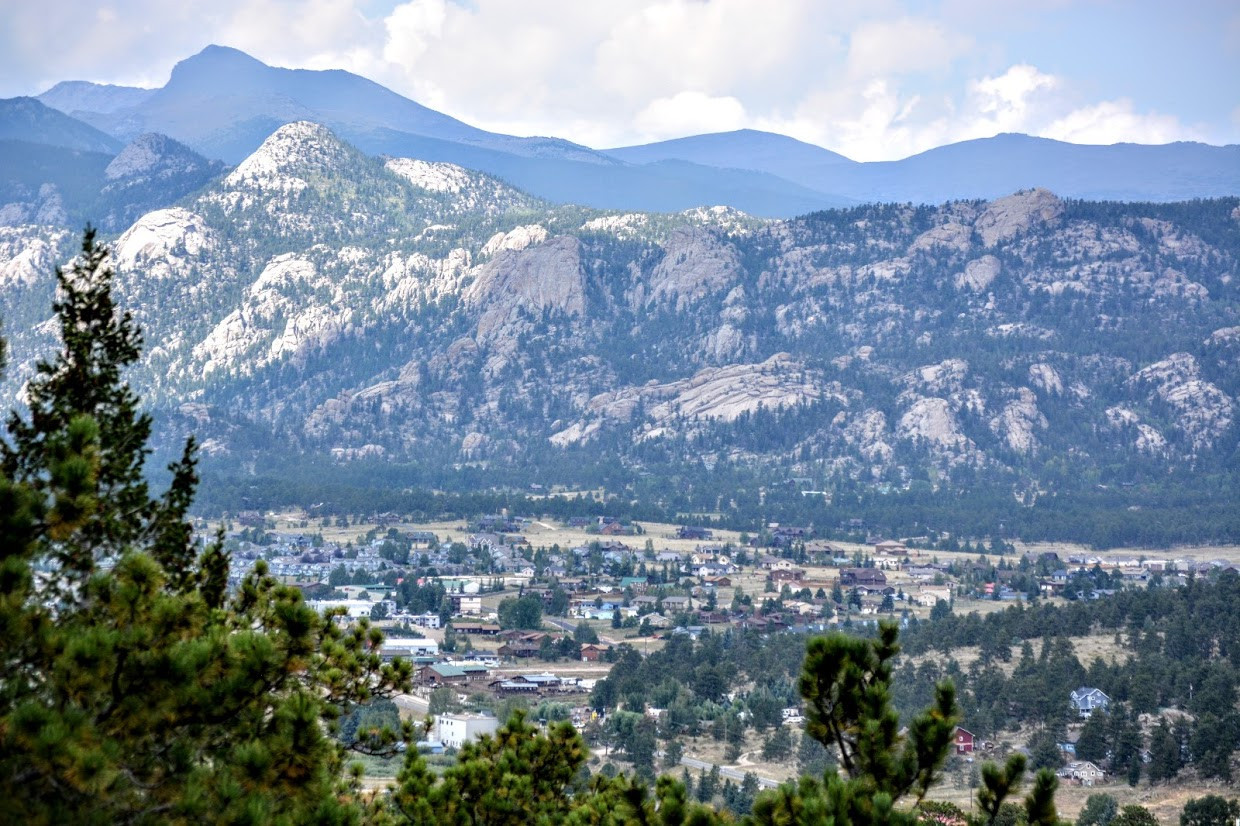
x,y
293,154
1007,217
153,154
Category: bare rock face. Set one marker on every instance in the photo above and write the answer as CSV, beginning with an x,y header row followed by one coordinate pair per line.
x,y
546,276
1007,217
515,240
430,175
952,235
1046,378
1143,438
695,264
945,377
626,225
868,432
1223,346
274,321
1204,412
1017,422
718,393
979,274
931,421
152,156
473,443
47,208
27,255
723,344
163,243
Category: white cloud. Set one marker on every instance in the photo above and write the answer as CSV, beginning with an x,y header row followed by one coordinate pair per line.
x,y
892,47
1117,121
687,113
869,78
1006,101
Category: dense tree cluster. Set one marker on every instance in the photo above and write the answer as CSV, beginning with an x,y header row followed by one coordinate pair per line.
x,y
134,686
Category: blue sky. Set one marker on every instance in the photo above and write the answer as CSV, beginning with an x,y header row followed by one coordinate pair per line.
x,y
874,79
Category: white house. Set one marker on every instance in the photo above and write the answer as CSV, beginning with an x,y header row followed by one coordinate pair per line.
x,y
409,648
354,608
455,730
1083,772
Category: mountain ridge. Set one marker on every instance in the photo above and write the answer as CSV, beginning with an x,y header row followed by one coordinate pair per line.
x,y
317,301
224,103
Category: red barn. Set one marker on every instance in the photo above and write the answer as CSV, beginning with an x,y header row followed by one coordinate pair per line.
x,y
964,741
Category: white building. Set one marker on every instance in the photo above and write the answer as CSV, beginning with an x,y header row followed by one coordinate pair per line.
x,y
409,648
354,608
455,730
427,620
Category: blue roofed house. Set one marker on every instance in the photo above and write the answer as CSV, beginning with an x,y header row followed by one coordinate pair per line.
x,y
1085,700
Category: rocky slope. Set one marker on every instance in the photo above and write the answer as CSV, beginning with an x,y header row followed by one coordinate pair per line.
x,y
356,307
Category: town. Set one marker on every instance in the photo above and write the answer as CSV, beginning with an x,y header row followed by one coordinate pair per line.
x,y
503,612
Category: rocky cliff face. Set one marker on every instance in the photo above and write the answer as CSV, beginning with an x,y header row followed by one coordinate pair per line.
x,y
357,308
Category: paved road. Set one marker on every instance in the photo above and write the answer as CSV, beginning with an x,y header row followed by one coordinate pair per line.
x,y
733,774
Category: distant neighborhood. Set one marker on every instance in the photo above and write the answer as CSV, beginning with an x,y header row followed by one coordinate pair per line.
x,y
501,608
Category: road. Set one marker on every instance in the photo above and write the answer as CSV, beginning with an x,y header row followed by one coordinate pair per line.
x,y
733,774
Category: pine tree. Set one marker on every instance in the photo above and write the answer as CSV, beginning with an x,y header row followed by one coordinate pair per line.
x,y
133,688
846,687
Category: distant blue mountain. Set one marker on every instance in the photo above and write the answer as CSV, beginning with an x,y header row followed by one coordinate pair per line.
x,y
983,168
72,96
743,149
991,167
26,119
667,186
224,103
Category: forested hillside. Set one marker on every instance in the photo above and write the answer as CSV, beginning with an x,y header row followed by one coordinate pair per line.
x,y
432,326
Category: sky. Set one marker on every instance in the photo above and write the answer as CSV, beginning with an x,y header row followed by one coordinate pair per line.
x,y
872,79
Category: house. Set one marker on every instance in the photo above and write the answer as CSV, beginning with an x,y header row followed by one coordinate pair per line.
x,y
462,604
422,540
519,648
591,653
535,684
1082,772
788,575
638,583
442,674
481,629
870,578
676,605
890,546
930,596
1085,700
427,620
964,741
689,532
455,730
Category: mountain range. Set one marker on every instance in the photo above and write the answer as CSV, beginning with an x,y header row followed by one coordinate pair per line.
x,y
316,300
222,104
324,296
